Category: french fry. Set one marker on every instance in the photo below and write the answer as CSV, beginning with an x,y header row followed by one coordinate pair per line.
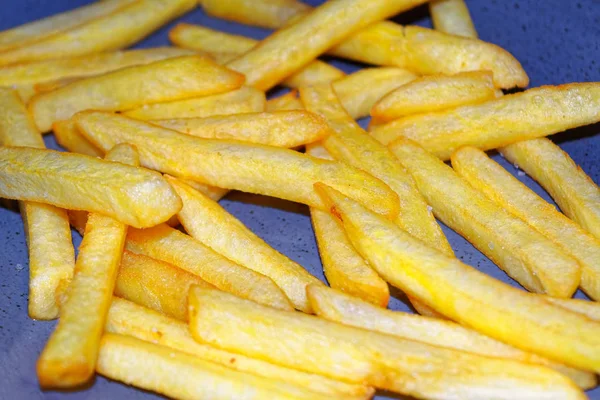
x,y
507,192
281,129
435,93
575,193
126,318
531,114
517,248
113,31
68,136
452,17
285,102
26,92
252,168
418,49
243,100
292,47
203,39
212,192
161,81
208,222
132,195
171,246
51,253
524,320
590,309
339,307
69,357
43,28
155,284
409,367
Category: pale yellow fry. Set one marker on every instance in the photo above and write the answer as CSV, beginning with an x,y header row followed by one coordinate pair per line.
x,y
26,92
155,284
69,357
225,47
516,247
524,320
285,102
590,309
243,100
135,196
248,167
43,28
281,129
161,81
294,46
206,221
452,17
114,31
16,126
573,190
435,93
212,192
506,191
495,123
348,310
410,367
67,135
126,318
270,14
169,245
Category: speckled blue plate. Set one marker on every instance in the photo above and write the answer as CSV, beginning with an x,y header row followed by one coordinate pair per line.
x,y
557,41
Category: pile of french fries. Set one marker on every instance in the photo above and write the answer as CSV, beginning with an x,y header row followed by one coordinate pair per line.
x,y
156,137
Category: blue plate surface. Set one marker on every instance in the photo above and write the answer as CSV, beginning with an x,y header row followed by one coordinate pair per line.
x,y
557,41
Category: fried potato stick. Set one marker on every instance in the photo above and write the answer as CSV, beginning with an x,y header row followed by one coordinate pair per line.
x,y
452,17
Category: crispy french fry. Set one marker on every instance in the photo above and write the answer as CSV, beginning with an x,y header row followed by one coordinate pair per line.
x,y
292,47
531,114
418,49
126,318
26,92
208,222
435,93
69,357
517,248
113,31
248,167
132,195
203,39
51,253
161,81
43,28
281,129
171,246
524,320
285,102
452,17
212,192
155,284
590,309
339,307
243,100
575,193
68,136
410,367
505,190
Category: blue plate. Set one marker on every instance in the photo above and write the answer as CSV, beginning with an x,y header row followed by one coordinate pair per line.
x,y
557,41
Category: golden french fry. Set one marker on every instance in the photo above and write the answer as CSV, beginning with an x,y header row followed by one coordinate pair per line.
x,y
212,192
126,318
243,100
435,93
128,88
292,47
132,195
410,367
531,114
68,136
281,129
507,192
112,31
339,307
590,309
452,17
171,246
466,295
270,14
516,247
285,102
26,92
203,39
575,193
206,221
51,253
155,284
70,355
252,168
